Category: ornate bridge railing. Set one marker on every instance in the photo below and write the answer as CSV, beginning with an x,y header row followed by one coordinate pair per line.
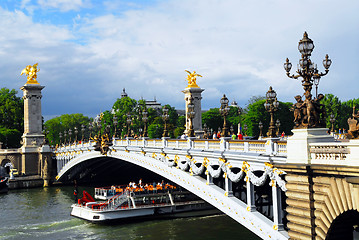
x,y
335,153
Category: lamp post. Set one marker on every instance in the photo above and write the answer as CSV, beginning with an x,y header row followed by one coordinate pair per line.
x,y
90,130
128,121
240,110
60,136
165,118
224,110
115,122
271,105
190,115
70,134
309,73
260,126
65,136
245,127
277,124
76,132
82,132
144,119
332,121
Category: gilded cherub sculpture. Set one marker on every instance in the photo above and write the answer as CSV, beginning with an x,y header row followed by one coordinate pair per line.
x,y
192,78
31,73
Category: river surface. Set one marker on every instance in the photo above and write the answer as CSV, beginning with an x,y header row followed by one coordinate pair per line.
x,y
44,213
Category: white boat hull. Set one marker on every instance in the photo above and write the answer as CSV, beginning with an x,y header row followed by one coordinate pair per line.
x,y
195,208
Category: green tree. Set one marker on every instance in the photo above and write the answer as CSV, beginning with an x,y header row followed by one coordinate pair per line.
x,y
256,112
155,130
10,137
11,118
180,126
332,105
213,119
65,122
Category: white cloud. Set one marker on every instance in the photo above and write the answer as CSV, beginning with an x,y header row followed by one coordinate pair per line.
x,y
64,5
238,46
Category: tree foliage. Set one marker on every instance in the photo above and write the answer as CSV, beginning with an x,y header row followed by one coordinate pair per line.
x,y
65,122
11,118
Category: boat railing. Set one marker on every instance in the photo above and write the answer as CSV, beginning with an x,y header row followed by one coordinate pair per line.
x,y
116,201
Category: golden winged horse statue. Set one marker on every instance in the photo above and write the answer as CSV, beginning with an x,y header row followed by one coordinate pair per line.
x,y
31,73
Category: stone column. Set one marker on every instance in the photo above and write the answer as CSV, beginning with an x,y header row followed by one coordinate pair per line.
x,y
197,120
33,137
251,207
32,115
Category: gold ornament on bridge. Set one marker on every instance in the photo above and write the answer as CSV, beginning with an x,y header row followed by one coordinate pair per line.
x,y
192,78
31,73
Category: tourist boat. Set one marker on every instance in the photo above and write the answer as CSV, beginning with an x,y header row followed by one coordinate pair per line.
x,y
133,203
4,184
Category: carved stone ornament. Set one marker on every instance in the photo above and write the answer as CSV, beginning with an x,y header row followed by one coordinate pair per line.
x,y
353,132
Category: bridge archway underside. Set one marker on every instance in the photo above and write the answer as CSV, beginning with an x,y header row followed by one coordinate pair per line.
x,y
184,168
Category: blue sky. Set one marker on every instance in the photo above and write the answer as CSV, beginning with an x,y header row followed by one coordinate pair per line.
x,y
88,50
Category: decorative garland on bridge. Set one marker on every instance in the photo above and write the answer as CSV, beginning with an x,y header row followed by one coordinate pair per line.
x,y
225,167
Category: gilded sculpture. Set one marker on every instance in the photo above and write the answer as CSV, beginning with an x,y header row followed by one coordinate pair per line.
x,y
353,131
31,73
192,78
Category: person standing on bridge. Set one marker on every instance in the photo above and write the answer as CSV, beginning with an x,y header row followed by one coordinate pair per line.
x,y
214,135
240,136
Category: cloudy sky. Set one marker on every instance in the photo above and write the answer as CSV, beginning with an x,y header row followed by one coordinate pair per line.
x,y
89,50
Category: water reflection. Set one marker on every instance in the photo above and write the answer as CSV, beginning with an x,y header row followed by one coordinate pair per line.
x,y
44,213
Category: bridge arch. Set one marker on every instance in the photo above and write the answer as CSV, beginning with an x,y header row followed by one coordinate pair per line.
x,y
344,226
188,177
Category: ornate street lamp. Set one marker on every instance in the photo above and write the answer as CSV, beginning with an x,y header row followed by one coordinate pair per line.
x,y
190,115
82,132
245,127
145,120
309,73
70,133
65,136
332,121
240,110
90,130
224,110
76,132
271,105
165,118
115,122
128,121
260,126
60,136
277,124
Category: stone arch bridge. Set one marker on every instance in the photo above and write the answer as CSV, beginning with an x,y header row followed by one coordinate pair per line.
x,y
291,189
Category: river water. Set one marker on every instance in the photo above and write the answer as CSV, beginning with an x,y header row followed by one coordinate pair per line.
x,y
44,213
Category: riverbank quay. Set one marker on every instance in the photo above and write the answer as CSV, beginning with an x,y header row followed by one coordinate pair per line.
x,y
26,182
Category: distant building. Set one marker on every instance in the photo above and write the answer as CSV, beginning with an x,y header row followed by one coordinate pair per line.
x,y
153,104
124,94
